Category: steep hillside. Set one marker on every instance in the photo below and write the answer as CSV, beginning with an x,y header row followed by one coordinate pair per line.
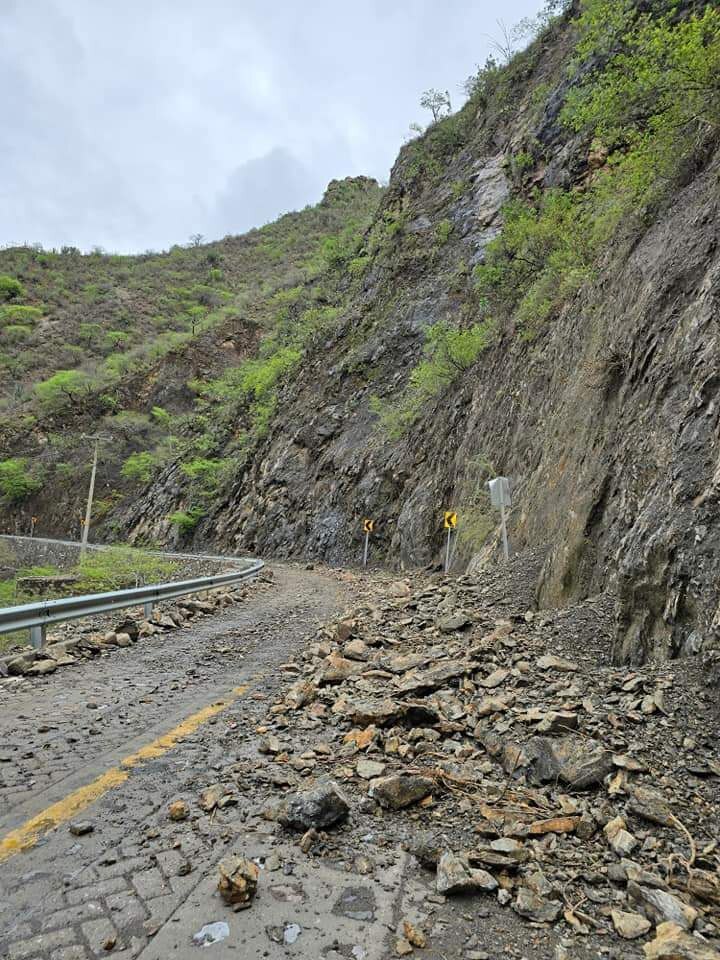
x,y
536,296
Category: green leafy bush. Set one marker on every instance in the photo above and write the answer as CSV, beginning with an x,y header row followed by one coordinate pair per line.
x,y
139,467
657,95
10,288
63,386
543,254
161,416
442,231
17,481
448,352
187,520
17,332
17,313
649,107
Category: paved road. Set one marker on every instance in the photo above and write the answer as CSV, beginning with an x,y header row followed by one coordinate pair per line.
x,y
112,741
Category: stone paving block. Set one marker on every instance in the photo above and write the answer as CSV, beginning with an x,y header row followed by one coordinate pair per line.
x,y
150,883
75,914
161,907
97,932
170,861
126,910
25,949
183,885
123,867
100,889
74,952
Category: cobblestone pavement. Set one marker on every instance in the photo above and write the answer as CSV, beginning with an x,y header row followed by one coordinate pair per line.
x,y
71,897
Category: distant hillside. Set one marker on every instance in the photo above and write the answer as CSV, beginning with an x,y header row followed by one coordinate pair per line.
x,y
110,344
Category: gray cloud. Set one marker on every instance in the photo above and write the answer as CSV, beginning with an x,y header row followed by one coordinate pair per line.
x,y
133,125
260,189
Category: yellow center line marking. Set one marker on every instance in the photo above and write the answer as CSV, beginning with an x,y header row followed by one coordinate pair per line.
x,y
29,833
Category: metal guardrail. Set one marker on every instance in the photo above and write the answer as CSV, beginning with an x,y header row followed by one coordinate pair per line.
x,y
36,617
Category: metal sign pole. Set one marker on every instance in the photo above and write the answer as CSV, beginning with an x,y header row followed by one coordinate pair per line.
x,y
447,550
506,552
365,553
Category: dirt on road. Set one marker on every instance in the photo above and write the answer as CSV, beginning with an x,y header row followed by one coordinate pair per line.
x,y
67,896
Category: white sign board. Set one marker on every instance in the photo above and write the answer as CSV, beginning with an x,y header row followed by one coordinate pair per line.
x,y
499,492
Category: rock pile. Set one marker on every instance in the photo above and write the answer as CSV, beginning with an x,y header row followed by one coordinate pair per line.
x,y
73,642
507,759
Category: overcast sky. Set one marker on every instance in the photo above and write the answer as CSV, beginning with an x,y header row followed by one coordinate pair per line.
x,y
131,125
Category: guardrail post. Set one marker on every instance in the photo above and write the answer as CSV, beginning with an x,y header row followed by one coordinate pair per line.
x,y
148,609
37,636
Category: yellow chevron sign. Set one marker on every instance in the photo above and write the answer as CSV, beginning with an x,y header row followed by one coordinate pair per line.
x,y
450,519
368,526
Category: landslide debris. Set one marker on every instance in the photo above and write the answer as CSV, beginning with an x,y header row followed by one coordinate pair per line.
x,y
505,759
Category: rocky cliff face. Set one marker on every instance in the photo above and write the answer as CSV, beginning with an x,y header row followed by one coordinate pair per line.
x,y
606,419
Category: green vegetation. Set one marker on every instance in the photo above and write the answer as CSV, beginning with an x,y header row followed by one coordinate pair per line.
x,y
649,111
139,467
448,353
443,231
17,481
17,313
119,567
187,520
64,386
10,288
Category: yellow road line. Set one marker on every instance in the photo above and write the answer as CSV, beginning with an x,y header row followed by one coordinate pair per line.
x,y
29,833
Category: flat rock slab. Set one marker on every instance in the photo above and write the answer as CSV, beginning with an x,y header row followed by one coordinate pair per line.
x,y
328,906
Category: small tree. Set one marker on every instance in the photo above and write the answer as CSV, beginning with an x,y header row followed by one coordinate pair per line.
x,y
196,239
63,386
437,102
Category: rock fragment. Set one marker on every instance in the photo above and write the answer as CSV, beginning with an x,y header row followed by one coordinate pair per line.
x,y
321,807
630,925
238,880
551,662
400,790
455,875
532,906
672,943
661,906
178,810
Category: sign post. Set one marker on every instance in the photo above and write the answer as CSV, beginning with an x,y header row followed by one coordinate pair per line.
x,y
450,520
368,527
33,521
500,497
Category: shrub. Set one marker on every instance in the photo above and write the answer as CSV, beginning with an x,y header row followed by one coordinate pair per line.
x,y
17,313
187,520
161,416
357,266
139,467
205,474
448,352
115,338
543,254
64,386
10,288
17,482
16,333
442,231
